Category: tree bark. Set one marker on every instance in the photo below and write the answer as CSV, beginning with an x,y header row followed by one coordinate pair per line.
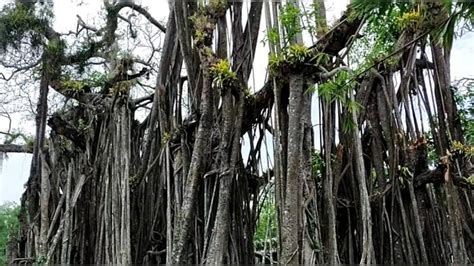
x,y
291,227
368,253
195,171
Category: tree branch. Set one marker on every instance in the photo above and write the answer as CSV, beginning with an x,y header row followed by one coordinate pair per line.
x,y
18,69
143,99
338,37
144,12
123,76
65,129
15,148
324,76
79,95
80,22
436,176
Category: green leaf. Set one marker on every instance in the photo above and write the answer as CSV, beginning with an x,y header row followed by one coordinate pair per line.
x,y
290,17
9,227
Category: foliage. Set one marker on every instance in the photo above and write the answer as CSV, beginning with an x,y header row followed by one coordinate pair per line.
x,y
318,168
74,85
368,8
463,91
85,52
337,88
218,5
203,27
9,227
223,75
13,136
433,157
199,36
290,17
274,62
82,124
17,23
321,59
266,227
297,53
121,88
470,179
56,47
348,124
166,137
321,25
462,14
93,80
405,176
290,57
199,22
133,181
379,38
317,164
457,146
41,260
409,19
96,79
272,36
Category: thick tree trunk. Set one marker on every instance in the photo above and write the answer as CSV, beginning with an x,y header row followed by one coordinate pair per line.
x,y
293,208
331,252
201,147
39,174
230,151
44,206
368,253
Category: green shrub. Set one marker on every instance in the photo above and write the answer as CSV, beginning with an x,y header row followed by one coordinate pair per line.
x,y
9,227
266,232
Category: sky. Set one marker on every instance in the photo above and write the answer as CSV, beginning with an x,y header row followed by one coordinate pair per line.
x,y
13,176
15,169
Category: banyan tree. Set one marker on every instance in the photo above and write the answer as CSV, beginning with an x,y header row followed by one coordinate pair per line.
x,y
355,149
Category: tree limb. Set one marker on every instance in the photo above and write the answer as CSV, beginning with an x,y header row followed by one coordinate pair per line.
x,y
142,11
16,148
19,69
65,129
337,38
333,72
436,176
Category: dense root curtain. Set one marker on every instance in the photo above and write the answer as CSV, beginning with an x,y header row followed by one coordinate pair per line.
x,y
336,162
